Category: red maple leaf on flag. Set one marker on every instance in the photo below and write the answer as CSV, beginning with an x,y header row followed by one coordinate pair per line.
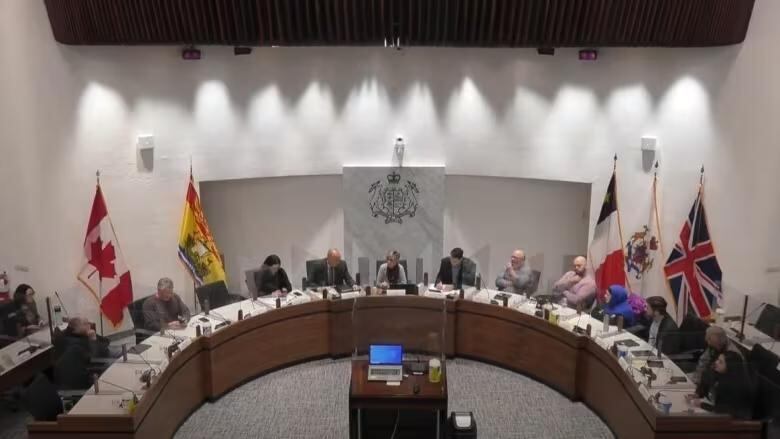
x,y
103,259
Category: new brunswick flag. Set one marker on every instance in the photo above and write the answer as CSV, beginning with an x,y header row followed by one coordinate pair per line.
x,y
197,248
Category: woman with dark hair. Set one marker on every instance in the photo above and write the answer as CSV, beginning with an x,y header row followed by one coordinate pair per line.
x,y
272,279
727,386
27,310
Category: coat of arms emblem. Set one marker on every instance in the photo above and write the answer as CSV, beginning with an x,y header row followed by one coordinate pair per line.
x,y
640,253
393,200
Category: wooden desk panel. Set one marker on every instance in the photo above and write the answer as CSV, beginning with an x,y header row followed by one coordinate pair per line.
x,y
518,342
570,363
378,395
268,342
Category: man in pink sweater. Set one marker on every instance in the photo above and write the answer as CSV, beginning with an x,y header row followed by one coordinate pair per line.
x,y
577,286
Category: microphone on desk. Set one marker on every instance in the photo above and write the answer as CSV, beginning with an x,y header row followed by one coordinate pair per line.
x,y
65,311
278,303
479,283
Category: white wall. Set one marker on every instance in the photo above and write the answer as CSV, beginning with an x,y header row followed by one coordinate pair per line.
x,y
491,217
296,218
67,111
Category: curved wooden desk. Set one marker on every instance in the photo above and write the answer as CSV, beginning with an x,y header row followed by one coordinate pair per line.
x,y
574,365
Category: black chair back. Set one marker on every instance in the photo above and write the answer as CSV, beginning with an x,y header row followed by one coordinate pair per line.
x,y
41,399
137,313
769,321
216,293
9,320
311,265
536,276
691,333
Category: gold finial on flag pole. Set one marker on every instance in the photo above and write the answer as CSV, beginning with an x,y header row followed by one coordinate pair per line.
x,y
614,163
656,169
701,177
190,165
97,176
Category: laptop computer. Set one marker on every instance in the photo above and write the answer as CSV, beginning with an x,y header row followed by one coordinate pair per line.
x,y
385,362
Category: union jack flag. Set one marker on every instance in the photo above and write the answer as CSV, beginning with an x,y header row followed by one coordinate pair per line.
x,y
692,269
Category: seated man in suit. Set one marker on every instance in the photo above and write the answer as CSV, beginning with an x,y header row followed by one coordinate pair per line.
x,y
663,330
332,271
456,270
165,307
516,277
577,286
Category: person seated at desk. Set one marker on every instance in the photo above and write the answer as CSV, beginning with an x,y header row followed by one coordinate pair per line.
x,y
27,311
272,279
165,306
79,333
577,286
516,277
728,387
717,343
456,270
663,329
332,271
391,272
616,304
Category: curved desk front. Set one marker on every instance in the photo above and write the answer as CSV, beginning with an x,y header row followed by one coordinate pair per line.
x,y
573,364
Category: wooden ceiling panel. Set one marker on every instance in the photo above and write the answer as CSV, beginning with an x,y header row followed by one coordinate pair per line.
x,y
458,23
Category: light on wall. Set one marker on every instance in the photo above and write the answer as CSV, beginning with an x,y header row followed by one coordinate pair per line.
x,y
399,150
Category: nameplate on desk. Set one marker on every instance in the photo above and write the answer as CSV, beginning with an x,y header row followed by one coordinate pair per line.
x,y
351,295
393,383
644,392
396,292
623,363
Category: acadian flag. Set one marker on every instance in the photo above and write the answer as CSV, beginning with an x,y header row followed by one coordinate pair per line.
x,y
105,273
644,247
197,249
606,250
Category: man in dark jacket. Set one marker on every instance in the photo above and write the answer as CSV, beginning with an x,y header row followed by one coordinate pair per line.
x,y
456,270
79,333
332,271
663,332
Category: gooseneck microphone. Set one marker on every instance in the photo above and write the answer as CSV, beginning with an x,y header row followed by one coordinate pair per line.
x,y
65,311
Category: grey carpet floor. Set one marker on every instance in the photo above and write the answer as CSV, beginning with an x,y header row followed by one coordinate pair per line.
x,y
310,401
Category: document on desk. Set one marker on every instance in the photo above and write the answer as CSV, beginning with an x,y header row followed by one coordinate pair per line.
x,y
393,383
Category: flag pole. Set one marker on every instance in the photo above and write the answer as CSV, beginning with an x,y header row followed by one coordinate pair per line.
x,y
100,278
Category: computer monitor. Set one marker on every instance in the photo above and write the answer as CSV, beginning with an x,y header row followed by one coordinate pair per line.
x,y
411,289
216,293
385,354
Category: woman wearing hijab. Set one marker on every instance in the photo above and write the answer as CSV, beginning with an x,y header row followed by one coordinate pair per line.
x,y
727,386
616,299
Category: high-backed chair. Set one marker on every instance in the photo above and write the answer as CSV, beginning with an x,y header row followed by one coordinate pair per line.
x,y
536,275
769,321
137,316
250,280
311,265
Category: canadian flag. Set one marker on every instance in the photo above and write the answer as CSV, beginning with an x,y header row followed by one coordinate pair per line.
x,y
606,250
104,273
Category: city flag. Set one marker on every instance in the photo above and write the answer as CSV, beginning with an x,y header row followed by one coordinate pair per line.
x,y
105,273
644,248
606,250
692,269
197,249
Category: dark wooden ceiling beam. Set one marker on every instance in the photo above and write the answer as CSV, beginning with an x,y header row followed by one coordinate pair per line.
x,y
484,23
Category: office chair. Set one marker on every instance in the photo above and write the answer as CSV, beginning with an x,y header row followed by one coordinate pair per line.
x,y
249,276
311,265
42,400
690,343
137,316
769,320
536,276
